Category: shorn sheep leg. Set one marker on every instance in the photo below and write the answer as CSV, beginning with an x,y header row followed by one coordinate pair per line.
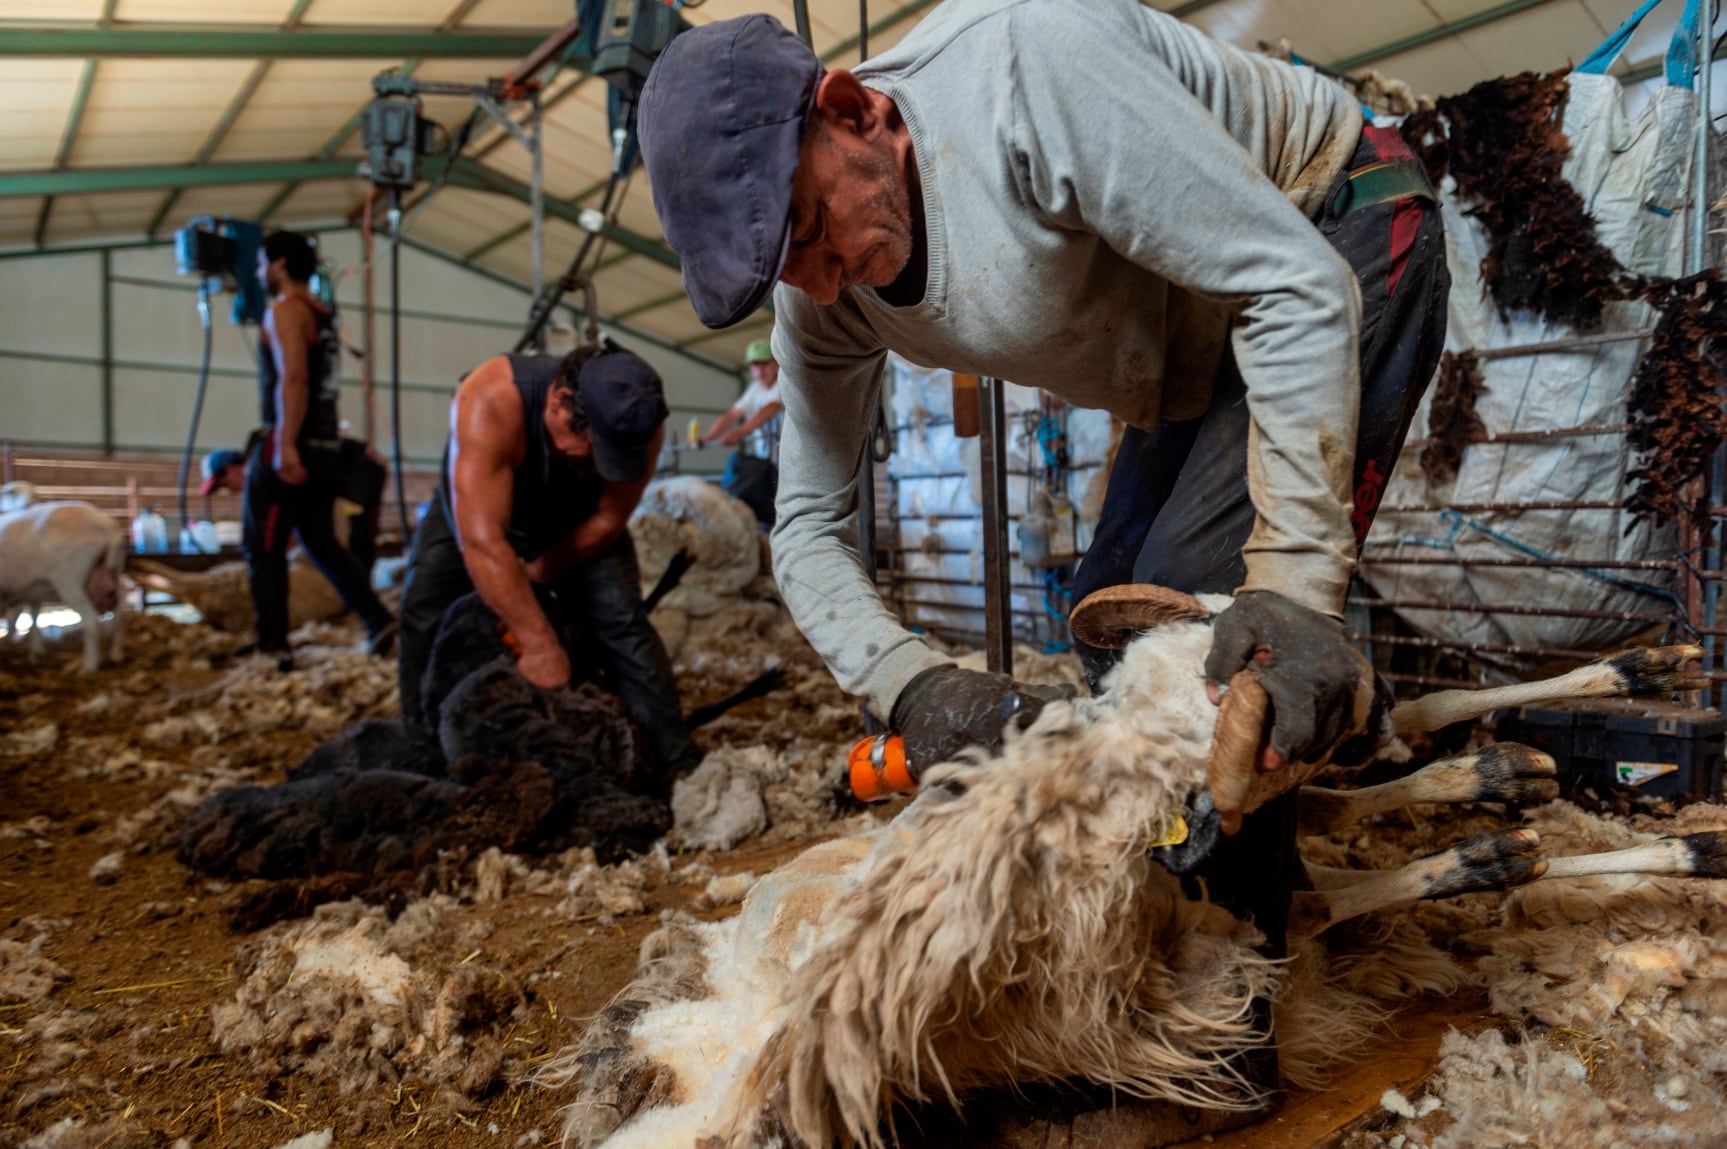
x,y
1652,670
1502,772
1494,861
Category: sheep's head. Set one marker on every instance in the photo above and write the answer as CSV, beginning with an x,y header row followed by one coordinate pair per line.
x,y
1111,617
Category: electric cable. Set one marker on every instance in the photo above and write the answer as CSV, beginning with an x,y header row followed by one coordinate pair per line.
x,y
568,281
801,13
458,141
197,402
396,361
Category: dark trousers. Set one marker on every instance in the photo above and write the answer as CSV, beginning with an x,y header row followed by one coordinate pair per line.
x,y
363,483
755,482
271,514
1177,512
603,597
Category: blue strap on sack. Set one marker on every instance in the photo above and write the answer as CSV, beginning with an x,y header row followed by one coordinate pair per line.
x,y
1681,50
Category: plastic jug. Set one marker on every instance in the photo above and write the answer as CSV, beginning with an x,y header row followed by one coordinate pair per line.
x,y
150,533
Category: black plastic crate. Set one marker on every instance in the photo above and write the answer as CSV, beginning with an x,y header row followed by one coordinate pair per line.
x,y
1607,744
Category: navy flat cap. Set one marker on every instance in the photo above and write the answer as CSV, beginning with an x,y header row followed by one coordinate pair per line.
x,y
719,122
625,403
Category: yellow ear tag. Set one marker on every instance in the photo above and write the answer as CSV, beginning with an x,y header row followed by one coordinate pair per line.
x,y
1175,835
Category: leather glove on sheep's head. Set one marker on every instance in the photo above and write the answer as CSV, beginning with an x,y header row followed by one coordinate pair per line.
x,y
946,709
1307,665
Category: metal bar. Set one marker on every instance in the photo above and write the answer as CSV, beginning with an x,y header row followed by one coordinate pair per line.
x,y
178,176
545,52
1480,647
651,305
39,236
537,205
497,241
261,42
1576,343
330,148
997,597
1476,508
1560,564
623,328
1537,436
467,173
107,321
1427,36
1536,611
1702,199
481,151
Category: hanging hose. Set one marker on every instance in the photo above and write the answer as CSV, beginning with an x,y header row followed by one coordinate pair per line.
x,y
197,402
801,13
396,361
863,30
572,277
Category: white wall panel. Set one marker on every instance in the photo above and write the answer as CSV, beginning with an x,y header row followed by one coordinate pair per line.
x,y
152,409
50,402
454,319
52,305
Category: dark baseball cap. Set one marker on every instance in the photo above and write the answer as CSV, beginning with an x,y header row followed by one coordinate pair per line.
x,y
625,404
215,463
720,121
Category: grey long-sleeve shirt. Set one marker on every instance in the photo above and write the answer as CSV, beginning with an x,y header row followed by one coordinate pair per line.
x,y
1109,194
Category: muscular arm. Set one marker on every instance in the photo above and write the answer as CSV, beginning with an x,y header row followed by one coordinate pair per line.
x,y
486,442
599,530
291,336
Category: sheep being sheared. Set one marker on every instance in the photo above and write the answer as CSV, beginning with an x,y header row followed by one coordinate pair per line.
x,y
526,770
64,552
1011,927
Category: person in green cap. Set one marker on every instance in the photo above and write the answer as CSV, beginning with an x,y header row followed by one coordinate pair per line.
x,y
752,425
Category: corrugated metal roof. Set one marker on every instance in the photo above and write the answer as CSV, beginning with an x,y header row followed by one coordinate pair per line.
x,y
173,111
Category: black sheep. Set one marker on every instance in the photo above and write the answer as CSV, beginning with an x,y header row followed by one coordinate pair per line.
x,y
513,766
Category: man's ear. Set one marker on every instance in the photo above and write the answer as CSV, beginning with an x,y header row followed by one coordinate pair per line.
x,y
842,100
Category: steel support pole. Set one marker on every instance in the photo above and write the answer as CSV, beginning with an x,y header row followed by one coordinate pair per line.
x,y
1703,527
107,352
538,207
997,595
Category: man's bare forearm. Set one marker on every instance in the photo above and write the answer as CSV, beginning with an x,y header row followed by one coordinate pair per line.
x,y
290,410
503,583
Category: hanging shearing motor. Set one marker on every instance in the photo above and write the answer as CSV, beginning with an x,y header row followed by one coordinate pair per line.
x,y
396,133
223,252
627,37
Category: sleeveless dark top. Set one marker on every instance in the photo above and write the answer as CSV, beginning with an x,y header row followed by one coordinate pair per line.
x,y
323,381
553,495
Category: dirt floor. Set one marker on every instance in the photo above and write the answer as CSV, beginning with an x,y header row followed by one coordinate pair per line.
x,y
135,952
132,1014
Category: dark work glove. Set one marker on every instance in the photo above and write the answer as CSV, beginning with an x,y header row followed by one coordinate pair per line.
x,y
945,710
1302,658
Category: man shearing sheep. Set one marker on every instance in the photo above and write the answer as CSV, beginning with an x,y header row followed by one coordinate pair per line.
x,y
548,457
1101,201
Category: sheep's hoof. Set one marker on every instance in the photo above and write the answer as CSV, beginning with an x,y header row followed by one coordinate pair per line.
x,y
1510,772
1110,617
1659,669
1498,860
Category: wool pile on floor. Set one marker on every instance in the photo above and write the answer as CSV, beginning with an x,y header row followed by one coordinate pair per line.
x,y
132,1014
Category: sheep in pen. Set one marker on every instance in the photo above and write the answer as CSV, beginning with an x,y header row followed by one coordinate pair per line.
x,y
1016,926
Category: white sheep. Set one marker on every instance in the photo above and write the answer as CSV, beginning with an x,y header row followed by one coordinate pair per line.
x,y
17,495
1011,927
66,552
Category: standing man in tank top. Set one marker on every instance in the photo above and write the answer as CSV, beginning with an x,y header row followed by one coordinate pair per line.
x,y
547,460
294,468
